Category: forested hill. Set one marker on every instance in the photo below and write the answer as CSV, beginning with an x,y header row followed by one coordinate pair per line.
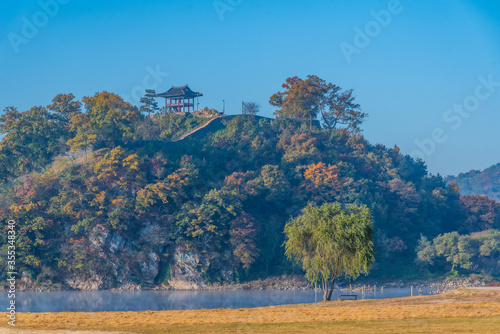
x,y
103,196
475,182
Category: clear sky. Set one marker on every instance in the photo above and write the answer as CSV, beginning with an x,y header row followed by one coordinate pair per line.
x,y
427,72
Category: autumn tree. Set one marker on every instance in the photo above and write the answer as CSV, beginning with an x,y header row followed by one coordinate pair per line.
x,y
331,242
301,98
322,182
306,99
244,232
340,108
107,120
479,213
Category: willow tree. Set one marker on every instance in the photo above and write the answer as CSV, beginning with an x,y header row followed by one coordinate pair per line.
x,y
330,242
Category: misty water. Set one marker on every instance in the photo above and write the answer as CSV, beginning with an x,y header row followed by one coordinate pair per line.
x,y
95,301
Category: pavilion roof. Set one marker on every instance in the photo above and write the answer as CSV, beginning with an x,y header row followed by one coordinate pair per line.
x,y
180,91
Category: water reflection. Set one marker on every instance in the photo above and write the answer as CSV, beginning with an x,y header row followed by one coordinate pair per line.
x,y
94,301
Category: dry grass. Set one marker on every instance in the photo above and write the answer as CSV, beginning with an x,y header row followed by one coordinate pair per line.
x,y
459,311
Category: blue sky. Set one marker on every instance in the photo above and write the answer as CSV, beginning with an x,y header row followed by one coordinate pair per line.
x,y
411,72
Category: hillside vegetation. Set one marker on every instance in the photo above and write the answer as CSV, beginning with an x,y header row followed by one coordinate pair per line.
x,y
104,197
475,182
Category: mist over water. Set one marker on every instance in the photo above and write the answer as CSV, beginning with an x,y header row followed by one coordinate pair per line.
x,y
99,301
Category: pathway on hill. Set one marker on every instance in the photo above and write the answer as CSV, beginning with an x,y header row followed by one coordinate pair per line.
x,y
197,129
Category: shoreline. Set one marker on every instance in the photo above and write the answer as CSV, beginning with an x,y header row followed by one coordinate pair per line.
x,y
292,282
461,310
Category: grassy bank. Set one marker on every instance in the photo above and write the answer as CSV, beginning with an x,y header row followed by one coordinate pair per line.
x,y
472,311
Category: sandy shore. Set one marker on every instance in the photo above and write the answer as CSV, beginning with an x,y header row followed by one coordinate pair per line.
x,y
481,303
29,331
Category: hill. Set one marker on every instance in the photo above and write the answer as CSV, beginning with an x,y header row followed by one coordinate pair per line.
x,y
105,197
475,182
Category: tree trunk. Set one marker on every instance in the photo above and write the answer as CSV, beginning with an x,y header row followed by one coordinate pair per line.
x,y
324,284
331,289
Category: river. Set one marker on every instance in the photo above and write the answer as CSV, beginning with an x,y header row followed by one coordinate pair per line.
x,y
98,301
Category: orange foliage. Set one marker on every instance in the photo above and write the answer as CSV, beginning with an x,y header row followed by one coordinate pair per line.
x,y
323,182
322,175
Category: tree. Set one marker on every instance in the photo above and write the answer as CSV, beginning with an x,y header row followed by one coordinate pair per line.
x,y
249,108
305,99
107,121
30,138
480,213
475,252
64,107
330,242
426,252
149,105
243,231
322,182
340,109
301,99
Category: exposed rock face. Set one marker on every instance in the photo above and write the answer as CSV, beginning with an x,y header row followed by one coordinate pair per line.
x,y
133,261
154,235
98,236
95,282
227,275
148,263
184,271
116,244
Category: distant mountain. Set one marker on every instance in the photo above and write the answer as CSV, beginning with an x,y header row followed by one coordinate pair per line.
x,y
476,182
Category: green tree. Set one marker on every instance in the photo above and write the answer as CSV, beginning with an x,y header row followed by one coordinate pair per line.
x,y
426,252
455,248
330,242
30,138
148,103
64,107
475,252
